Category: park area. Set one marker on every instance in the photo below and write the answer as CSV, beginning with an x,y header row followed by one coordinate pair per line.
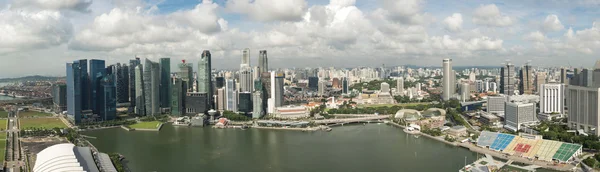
x,y
3,123
44,123
33,114
3,113
2,146
146,125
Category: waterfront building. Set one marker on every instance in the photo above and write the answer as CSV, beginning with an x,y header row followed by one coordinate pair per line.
x,y
196,103
107,100
165,82
291,112
313,83
552,98
151,87
97,72
231,95
496,104
186,73
245,102
178,96
221,99
263,63
59,98
140,98
278,88
121,82
583,100
518,113
68,157
132,84
74,91
526,78
447,82
507,80
204,77
257,108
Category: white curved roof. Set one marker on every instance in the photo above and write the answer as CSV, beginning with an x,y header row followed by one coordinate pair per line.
x,y
63,157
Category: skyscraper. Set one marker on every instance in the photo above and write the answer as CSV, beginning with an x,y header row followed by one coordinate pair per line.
x,y
563,76
526,78
151,87
279,76
321,88
74,91
583,100
178,94
165,82
552,98
85,85
313,83
107,100
540,79
221,99
507,80
345,85
97,72
400,86
257,109
132,93
245,58
245,102
140,98
263,63
446,80
230,95
204,77
186,73
59,98
121,82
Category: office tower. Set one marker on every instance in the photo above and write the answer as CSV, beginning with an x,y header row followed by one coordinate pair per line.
x,y
245,58
540,79
526,78
321,88
219,82
195,103
245,102
345,85
140,98
165,82
186,73
204,77
518,113
97,72
74,91
121,80
400,86
85,85
257,109
480,86
447,79
563,76
132,93
472,77
230,95
271,101
59,98
496,104
313,83
246,82
583,101
151,87
507,80
263,64
178,94
221,99
255,73
107,100
551,98
464,92
279,76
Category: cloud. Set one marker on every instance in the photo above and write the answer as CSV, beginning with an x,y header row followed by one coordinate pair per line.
x,y
270,10
551,24
454,23
489,15
74,5
22,30
536,36
405,11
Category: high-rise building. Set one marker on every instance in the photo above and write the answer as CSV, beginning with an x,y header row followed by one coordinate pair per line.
x,y
271,101
563,76
151,87
345,85
178,96
204,77
266,90
219,82
517,113
85,85
186,73
246,82
245,102
257,109
121,82
245,58
107,99
552,98
447,82
97,73
279,77
59,98
263,64
230,95
583,100
221,99
335,83
472,77
540,79
313,83
195,103
165,82
464,92
526,78
496,104
140,97
74,91
132,96
400,86
507,80
321,88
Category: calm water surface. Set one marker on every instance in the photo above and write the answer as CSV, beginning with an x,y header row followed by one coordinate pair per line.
x,y
358,148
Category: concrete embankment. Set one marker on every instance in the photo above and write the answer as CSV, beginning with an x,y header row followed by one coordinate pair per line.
x,y
147,129
289,129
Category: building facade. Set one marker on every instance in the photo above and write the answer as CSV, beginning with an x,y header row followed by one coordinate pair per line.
x,y
447,82
151,87
165,82
195,103
507,80
496,104
245,102
132,93
263,63
552,98
517,113
59,98
74,91
205,76
140,98
526,78
257,105
583,100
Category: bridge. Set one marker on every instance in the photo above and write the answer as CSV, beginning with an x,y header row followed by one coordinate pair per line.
x,y
351,120
26,101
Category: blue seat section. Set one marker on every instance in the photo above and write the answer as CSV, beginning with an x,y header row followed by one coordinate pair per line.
x,y
486,138
502,141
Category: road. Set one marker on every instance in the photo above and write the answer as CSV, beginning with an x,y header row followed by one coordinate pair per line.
x,y
13,149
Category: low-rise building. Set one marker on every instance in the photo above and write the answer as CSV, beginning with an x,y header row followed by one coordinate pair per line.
x,y
291,112
458,131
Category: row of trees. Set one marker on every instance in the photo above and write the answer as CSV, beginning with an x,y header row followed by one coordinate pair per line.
x,y
407,99
235,116
376,84
39,132
556,131
109,123
116,160
380,109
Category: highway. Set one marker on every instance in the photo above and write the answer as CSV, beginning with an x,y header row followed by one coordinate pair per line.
x,y
14,161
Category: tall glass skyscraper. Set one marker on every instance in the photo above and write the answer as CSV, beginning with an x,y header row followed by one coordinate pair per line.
x,y
151,87
178,89
263,63
85,85
278,96
132,64
165,82
121,81
97,72
107,100
140,98
204,77
187,74
74,92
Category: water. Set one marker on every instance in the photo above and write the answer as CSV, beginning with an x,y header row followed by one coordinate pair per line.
x,y
349,148
6,98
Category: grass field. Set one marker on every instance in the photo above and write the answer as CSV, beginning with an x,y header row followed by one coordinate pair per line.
x,y
29,114
3,114
3,123
145,125
390,105
2,146
46,123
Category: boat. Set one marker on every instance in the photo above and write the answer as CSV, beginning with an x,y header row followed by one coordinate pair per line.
x,y
416,136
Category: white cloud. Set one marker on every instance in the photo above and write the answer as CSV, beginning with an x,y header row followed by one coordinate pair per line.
x,y
270,10
454,22
75,5
536,36
25,30
405,11
551,24
489,15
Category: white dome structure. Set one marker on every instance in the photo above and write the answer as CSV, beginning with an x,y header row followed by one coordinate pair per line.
x,y
65,157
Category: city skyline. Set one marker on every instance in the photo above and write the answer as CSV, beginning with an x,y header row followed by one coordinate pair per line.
x,y
298,33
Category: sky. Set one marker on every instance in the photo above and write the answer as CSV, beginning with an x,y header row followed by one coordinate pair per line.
x,y
38,37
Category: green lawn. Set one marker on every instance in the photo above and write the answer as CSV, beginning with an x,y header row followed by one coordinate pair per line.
x,y
3,114
29,114
390,105
145,125
3,123
2,146
46,123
